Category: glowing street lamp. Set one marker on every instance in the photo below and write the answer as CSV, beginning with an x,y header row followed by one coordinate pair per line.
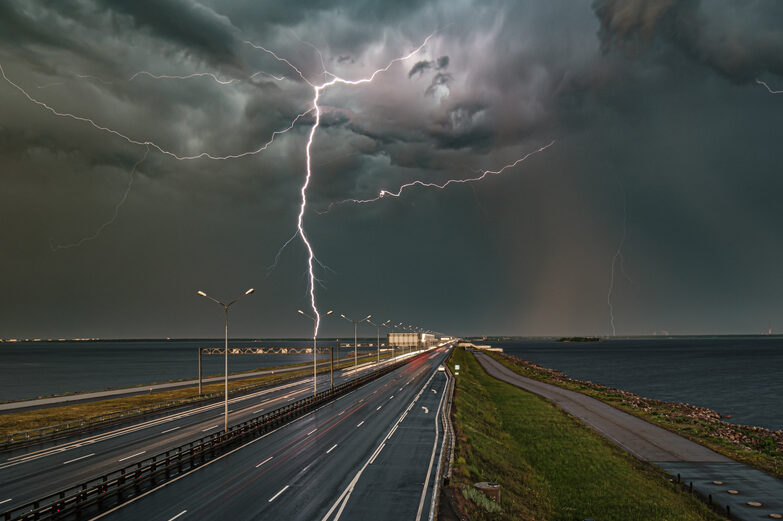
x,y
225,307
355,339
315,372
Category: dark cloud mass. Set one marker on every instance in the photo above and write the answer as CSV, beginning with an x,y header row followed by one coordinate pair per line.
x,y
657,122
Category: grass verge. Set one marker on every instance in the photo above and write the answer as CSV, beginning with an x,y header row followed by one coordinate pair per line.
x,y
756,446
550,466
90,412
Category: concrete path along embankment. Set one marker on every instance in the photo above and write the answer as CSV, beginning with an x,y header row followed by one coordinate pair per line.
x,y
675,454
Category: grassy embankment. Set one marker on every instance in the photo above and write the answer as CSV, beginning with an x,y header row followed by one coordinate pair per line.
x,y
756,446
549,465
91,411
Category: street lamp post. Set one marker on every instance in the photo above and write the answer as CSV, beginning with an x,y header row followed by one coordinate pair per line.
x,y
378,338
225,307
355,339
315,372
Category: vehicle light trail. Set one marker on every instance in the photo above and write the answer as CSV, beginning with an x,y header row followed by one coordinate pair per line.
x,y
56,246
439,186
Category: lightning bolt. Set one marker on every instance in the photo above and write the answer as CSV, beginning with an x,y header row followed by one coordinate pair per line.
x,y
317,91
771,91
159,148
57,246
618,254
439,186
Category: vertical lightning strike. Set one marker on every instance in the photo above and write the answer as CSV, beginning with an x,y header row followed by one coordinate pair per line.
x,y
317,89
770,89
441,186
618,254
57,246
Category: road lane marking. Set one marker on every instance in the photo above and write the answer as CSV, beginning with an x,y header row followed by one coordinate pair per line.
x,y
390,397
132,456
379,408
16,460
281,491
258,411
341,412
312,431
77,459
266,460
342,500
372,460
360,423
328,451
169,430
178,515
9,499
426,411
432,458
209,428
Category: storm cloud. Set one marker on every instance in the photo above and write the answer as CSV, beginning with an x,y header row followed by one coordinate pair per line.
x,y
660,133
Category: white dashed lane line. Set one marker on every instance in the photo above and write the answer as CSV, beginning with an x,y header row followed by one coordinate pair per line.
x,y
328,451
169,430
266,460
132,456
360,423
178,515
77,459
281,491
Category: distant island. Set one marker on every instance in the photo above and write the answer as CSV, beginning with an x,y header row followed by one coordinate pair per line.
x,y
580,339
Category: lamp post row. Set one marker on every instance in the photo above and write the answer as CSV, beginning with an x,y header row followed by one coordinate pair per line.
x,y
315,365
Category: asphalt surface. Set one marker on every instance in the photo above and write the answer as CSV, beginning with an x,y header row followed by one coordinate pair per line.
x,y
712,474
370,454
33,472
144,389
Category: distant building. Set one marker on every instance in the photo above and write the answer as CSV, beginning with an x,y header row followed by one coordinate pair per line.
x,y
417,340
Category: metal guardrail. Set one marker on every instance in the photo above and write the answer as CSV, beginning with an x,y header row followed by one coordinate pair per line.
x,y
13,439
446,456
118,486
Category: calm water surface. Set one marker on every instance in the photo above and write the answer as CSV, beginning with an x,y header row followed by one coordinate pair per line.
x,y
737,376
28,370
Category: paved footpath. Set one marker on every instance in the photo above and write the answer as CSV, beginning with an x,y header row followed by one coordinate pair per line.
x,y
694,463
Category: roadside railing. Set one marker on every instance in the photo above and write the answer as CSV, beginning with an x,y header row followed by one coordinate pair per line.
x,y
15,439
446,450
118,486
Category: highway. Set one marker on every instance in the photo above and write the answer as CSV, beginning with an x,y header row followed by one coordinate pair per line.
x,y
370,454
30,473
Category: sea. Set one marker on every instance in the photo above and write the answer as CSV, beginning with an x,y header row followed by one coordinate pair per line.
x,y
33,369
740,376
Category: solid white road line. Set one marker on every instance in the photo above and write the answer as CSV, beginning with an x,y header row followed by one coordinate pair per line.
x,y
372,460
9,499
170,430
360,423
16,460
178,515
312,431
269,458
432,458
77,459
132,456
345,496
281,491
328,451
209,428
